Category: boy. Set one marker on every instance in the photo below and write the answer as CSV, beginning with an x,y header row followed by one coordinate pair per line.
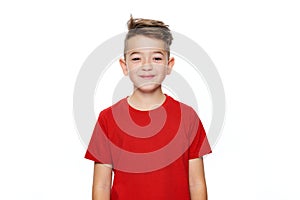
x,y
153,143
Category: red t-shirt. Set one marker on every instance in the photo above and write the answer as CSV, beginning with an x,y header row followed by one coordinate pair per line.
x,y
148,150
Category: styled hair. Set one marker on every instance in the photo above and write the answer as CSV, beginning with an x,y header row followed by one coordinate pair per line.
x,y
150,28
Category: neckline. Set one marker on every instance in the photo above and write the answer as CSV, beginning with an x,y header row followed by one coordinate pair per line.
x,y
146,110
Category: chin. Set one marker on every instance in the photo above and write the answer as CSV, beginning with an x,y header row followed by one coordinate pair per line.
x,y
148,88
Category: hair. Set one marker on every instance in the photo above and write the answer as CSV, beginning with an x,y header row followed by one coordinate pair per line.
x,y
149,28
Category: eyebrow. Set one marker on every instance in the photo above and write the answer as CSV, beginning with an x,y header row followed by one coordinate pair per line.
x,y
159,52
136,52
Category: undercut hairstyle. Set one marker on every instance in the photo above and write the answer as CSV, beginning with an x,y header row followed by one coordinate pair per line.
x,y
150,28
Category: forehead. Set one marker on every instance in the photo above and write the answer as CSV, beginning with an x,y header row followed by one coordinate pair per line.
x,y
141,43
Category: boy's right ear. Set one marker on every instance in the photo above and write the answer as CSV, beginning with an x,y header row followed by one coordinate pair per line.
x,y
123,66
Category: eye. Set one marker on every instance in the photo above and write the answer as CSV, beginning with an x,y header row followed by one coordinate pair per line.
x,y
135,59
157,58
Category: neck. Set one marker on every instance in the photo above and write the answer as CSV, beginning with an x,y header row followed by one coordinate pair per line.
x,y
146,101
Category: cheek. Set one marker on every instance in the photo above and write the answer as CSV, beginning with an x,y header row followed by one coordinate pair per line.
x,y
133,75
133,67
162,69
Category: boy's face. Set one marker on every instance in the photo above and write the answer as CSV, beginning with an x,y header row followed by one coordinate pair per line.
x,y
146,62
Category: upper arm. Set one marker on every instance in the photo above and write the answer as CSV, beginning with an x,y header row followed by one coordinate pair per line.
x,y
102,176
196,172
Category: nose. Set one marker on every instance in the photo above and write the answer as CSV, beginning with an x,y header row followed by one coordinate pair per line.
x,y
147,67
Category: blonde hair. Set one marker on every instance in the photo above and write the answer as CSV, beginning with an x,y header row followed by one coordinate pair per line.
x,y
149,28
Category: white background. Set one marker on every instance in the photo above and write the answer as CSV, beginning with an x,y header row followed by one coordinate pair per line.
x,y
254,44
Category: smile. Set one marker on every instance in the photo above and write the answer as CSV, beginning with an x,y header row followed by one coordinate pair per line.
x,y
147,76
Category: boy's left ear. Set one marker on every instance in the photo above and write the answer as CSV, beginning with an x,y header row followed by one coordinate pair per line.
x,y
171,63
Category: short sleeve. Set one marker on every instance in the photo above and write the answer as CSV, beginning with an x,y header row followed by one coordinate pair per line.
x,y
99,146
199,145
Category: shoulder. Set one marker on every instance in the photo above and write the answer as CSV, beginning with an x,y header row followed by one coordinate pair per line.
x,y
108,111
185,108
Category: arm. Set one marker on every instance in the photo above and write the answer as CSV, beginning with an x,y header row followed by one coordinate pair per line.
x,y
197,181
101,182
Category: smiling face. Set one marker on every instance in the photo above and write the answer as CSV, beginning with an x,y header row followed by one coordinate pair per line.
x,y
146,62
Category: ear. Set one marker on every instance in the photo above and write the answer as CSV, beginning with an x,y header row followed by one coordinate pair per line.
x,y
171,63
123,66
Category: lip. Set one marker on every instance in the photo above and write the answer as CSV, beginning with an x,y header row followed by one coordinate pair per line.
x,y
147,76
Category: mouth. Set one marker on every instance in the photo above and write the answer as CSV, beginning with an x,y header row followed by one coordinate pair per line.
x,y
147,77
